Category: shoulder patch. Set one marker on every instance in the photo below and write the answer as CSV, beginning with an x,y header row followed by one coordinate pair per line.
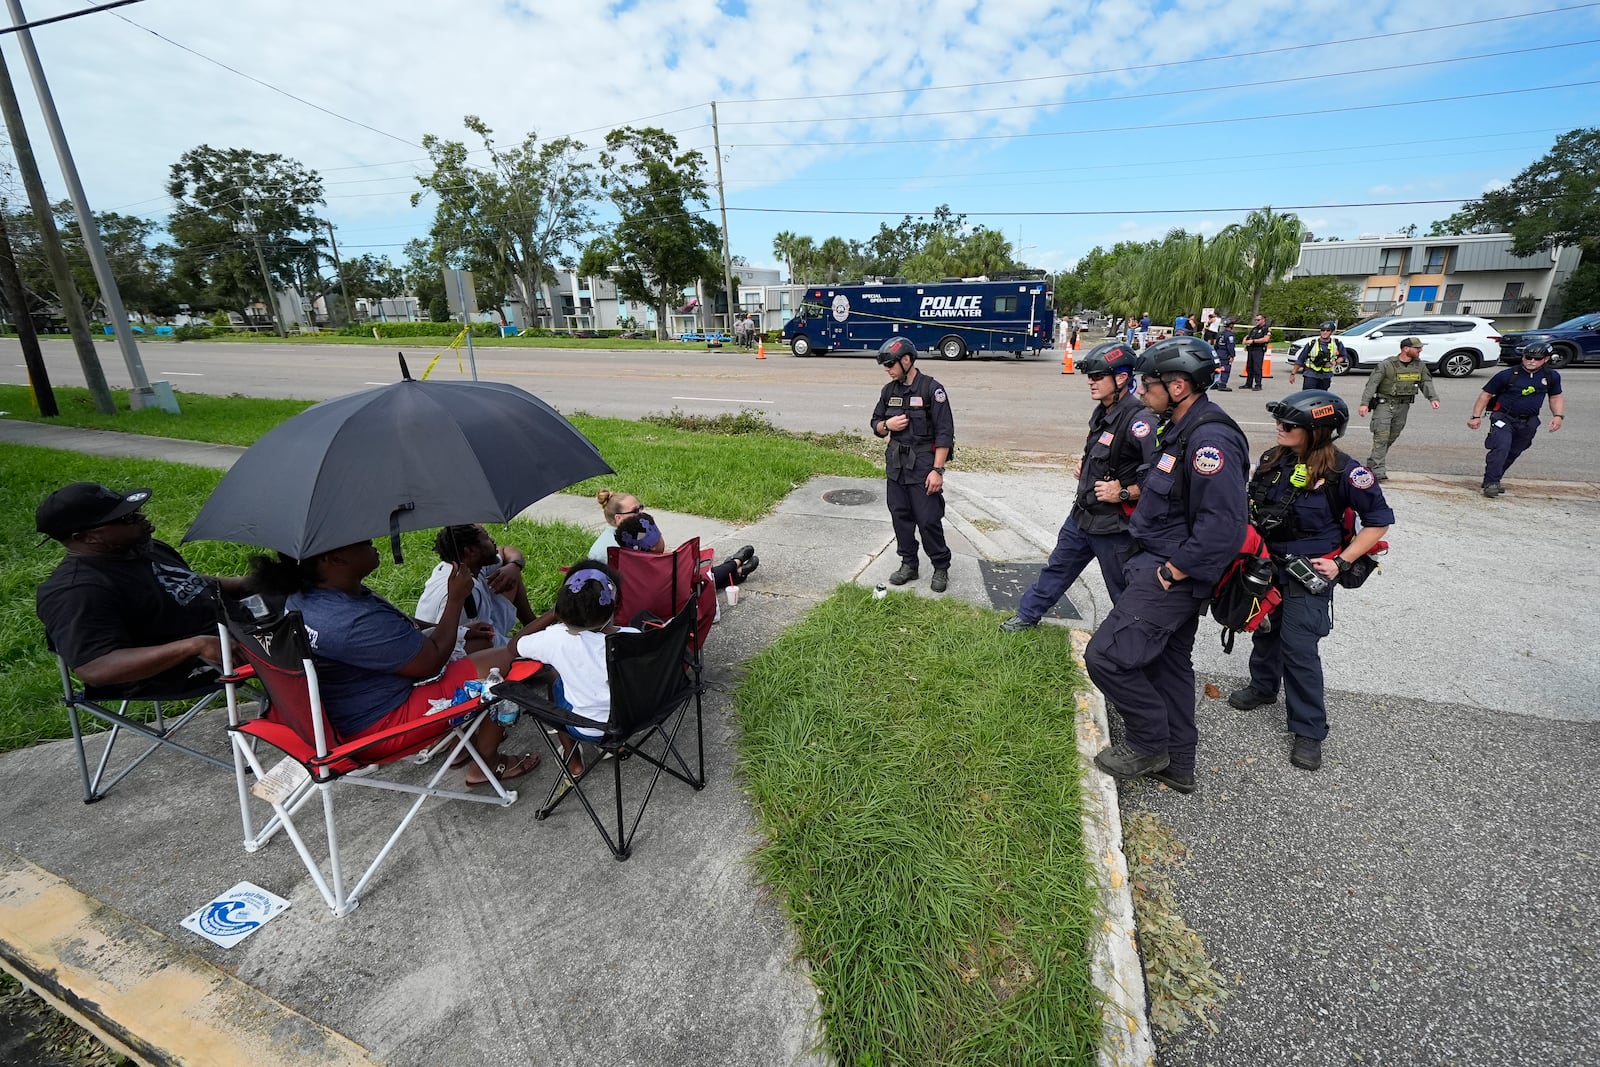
x,y
1141,428
1361,477
1208,459
938,395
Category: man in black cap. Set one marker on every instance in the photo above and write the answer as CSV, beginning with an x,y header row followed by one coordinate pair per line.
x,y
125,612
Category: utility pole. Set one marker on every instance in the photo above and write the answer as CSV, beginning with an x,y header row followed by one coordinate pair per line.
x,y
140,394
344,290
11,285
66,289
722,204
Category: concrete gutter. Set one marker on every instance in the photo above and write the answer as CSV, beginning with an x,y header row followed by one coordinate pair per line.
x,y
110,973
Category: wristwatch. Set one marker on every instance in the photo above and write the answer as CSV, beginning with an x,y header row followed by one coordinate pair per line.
x,y
1167,575
1124,496
938,470
1342,563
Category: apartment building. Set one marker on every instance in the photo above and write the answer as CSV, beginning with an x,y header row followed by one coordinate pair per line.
x,y
1470,274
573,302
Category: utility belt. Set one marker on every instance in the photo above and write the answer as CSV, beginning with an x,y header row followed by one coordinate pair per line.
x,y
1513,418
1412,399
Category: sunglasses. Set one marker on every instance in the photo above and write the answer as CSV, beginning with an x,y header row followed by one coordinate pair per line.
x,y
1098,377
632,511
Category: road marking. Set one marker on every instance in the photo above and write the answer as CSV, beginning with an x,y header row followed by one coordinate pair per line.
x,y
1264,425
375,383
723,400
182,374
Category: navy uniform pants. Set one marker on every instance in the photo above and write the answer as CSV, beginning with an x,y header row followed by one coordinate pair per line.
x,y
1074,549
915,512
1314,380
1142,659
1509,437
1290,653
1254,363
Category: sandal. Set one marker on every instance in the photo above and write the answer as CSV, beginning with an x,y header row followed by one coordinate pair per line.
x,y
507,767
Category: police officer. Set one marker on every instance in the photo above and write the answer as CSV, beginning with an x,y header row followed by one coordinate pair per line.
x,y
1256,343
1390,392
1298,498
1516,395
1122,434
1227,349
1186,529
914,414
1316,359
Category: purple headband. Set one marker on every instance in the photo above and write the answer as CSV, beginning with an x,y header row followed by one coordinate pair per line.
x,y
649,538
578,579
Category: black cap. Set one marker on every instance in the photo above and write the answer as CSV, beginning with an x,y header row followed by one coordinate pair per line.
x,y
84,505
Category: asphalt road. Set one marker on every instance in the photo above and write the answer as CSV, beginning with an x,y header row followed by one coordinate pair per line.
x,y
1025,405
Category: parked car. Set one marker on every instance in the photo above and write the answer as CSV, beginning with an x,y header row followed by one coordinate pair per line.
x,y
1575,341
1454,346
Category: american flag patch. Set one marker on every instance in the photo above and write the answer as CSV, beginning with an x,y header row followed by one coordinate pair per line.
x,y
1166,462
1105,438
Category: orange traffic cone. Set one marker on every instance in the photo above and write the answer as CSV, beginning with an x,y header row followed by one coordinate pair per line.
x,y
1077,343
1066,362
1266,364
761,348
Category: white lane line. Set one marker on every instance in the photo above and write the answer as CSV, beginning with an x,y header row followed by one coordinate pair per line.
x,y
183,374
1263,425
374,383
723,400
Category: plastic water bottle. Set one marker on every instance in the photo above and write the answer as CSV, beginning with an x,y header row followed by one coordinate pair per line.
x,y
506,712
880,591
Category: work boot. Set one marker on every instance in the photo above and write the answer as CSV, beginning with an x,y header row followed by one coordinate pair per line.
x,y
745,553
1492,490
1125,761
941,579
1249,696
1179,781
906,573
1222,388
1307,753
1016,624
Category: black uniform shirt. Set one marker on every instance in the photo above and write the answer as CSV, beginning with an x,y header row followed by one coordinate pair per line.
x,y
1136,426
909,454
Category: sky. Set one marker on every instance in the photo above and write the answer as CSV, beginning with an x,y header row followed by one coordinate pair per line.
x,y
1066,125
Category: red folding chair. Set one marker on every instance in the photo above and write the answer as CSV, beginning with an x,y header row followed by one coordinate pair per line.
x,y
661,583
319,761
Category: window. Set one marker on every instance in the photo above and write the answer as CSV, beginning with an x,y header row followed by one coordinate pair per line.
x,y
1437,260
1513,290
1005,304
1394,260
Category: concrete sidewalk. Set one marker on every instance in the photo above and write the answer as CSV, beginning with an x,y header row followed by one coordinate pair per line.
x,y
1427,897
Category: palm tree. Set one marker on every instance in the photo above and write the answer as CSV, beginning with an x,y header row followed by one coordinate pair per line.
x,y
1261,250
789,247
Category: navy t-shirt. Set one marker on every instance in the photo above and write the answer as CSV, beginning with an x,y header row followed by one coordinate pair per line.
x,y
1521,393
358,644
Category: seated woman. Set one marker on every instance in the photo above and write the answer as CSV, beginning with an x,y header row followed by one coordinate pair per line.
x,y
639,533
370,656
615,507
576,647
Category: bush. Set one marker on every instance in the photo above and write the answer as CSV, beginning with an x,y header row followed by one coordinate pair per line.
x,y
194,332
417,329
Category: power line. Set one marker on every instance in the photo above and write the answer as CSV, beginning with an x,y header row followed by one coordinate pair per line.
x,y
1474,23
94,10
1165,92
1165,125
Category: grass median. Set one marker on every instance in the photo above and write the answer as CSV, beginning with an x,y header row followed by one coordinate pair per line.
x,y
734,468
918,789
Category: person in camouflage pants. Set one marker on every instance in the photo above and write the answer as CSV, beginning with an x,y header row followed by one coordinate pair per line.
x,y
1390,392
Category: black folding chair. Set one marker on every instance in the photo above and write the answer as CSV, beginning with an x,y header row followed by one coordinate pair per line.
x,y
655,677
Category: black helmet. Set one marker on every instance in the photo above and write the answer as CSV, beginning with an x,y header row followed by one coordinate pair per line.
x,y
1330,326
1109,357
895,347
1182,355
1310,408
1537,349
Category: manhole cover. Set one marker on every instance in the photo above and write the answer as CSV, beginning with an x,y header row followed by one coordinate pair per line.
x,y
849,498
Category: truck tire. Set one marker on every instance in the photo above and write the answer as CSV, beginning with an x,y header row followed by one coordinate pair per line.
x,y
801,345
953,347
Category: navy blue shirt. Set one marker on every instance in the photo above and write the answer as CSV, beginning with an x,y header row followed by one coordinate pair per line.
x,y
909,454
1214,466
359,644
1136,425
1522,393
1317,524
1225,343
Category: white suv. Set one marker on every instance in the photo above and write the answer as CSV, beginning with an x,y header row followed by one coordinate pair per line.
x,y
1453,345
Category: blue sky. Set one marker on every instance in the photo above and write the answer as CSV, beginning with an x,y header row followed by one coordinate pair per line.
x,y
1065,125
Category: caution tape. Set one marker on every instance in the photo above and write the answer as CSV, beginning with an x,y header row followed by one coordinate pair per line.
x,y
939,322
455,344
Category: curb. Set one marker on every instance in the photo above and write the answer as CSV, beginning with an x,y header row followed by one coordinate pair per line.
x,y
142,993
1125,1039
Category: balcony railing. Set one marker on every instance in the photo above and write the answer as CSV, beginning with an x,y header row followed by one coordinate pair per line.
x,y
1520,305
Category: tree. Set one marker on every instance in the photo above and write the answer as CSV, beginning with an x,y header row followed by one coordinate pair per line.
x,y
1555,201
660,244
423,274
230,202
789,247
1308,300
1254,254
142,273
516,220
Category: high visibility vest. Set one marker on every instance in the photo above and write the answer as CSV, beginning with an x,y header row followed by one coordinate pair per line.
x,y
1320,361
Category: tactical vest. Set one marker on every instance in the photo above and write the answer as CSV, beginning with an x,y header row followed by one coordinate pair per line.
x,y
1315,353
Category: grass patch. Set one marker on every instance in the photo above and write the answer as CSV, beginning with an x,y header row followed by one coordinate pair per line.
x,y
30,691
733,468
441,339
1182,984
919,790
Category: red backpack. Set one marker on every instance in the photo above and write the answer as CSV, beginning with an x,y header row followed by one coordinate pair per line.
x,y
1247,594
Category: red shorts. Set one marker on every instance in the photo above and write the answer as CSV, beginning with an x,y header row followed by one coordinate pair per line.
x,y
417,706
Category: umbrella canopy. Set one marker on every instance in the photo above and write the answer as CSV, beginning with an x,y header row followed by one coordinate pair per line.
x,y
408,456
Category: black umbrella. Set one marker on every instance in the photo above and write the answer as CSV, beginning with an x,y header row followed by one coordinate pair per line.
x,y
409,456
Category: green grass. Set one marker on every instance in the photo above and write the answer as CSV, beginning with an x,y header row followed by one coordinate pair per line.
x,y
734,468
30,705
918,788
441,340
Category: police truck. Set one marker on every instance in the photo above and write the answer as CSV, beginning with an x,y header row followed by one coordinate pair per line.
x,y
955,317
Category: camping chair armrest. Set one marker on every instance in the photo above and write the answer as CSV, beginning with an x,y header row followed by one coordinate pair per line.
x,y
530,699
242,672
